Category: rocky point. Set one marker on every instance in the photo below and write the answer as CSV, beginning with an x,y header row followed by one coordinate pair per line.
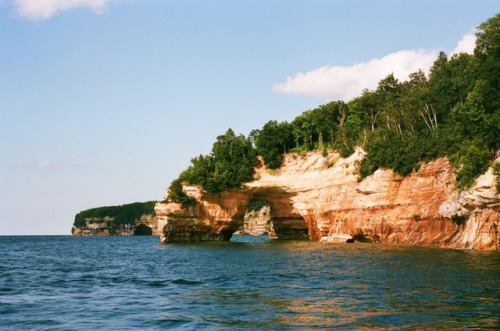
x,y
318,197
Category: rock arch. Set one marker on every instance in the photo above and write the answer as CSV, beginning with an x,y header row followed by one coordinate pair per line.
x,y
218,216
287,223
323,195
142,230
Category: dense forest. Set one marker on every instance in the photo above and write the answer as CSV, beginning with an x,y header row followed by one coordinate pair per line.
x,y
454,112
124,214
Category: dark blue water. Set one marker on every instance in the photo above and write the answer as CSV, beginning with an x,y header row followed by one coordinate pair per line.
x,y
119,283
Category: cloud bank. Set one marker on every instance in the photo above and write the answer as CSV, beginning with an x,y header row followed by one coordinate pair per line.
x,y
347,82
43,9
466,44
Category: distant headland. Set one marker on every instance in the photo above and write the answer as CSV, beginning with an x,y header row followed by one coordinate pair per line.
x,y
412,162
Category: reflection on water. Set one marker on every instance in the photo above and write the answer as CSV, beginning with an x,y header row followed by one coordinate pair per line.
x,y
251,283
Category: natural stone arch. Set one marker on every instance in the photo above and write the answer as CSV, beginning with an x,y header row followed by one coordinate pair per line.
x,y
287,223
217,217
143,230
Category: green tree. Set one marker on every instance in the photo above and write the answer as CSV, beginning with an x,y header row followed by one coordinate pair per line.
x,y
488,40
440,85
471,161
350,131
368,107
230,164
273,140
303,130
455,112
325,122
234,159
487,90
319,127
477,117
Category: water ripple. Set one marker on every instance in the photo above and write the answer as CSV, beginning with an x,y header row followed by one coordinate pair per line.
x,y
113,283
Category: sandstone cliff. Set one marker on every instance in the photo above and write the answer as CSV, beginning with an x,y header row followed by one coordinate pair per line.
x,y
318,197
105,226
258,223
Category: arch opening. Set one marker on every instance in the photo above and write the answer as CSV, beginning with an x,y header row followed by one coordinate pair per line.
x,y
271,213
143,230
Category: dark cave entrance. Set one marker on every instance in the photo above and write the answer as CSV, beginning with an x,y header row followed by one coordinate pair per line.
x,y
143,230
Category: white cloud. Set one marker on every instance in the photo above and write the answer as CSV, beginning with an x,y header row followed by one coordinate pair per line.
x,y
43,9
466,44
46,164
347,82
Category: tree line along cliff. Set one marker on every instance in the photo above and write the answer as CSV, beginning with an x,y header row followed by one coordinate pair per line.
x,y
128,219
452,112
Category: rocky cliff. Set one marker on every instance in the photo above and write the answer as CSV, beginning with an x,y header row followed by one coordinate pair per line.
x,y
319,198
106,226
258,223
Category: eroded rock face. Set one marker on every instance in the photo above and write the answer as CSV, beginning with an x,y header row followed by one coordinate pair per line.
x,y
105,226
258,223
318,197
214,217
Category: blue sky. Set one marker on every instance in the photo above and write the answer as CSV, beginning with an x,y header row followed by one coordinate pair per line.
x,y
104,102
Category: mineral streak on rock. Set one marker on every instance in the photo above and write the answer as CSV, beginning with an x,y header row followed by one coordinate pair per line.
x,y
318,197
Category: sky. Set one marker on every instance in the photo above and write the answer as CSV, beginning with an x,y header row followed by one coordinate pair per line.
x,y
105,102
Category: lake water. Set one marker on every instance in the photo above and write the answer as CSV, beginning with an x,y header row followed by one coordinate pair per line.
x,y
250,283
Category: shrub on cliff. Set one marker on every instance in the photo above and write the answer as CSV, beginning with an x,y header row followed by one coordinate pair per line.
x,y
230,164
496,172
258,205
471,161
272,141
176,194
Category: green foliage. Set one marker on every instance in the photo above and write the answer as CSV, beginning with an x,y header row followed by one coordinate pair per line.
x,y
317,128
496,172
389,150
348,134
230,164
273,141
488,39
471,161
175,193
476,118
257,205
124,214
455,112
486,100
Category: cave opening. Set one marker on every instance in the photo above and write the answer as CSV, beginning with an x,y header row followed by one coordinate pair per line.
x,y
270,215
143,230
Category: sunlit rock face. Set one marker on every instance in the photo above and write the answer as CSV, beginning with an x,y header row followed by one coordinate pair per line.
x,y
105,226
319,198
213,217
258,223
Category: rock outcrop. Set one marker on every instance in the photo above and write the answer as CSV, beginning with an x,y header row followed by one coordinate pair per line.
x,y
319,198
258,223
105,226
